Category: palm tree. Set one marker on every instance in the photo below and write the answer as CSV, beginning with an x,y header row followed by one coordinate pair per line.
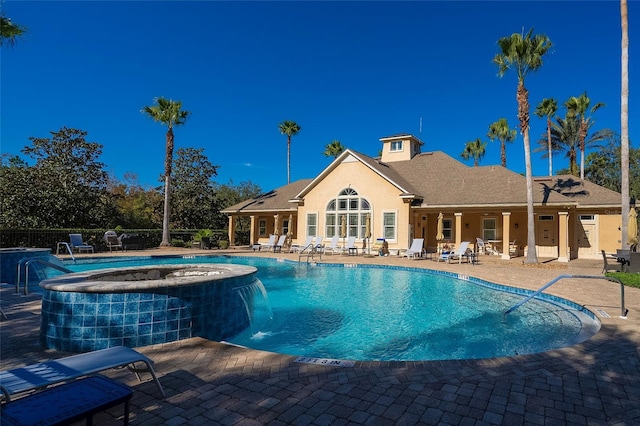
x,y
524,54
624,123
500,130
474,149
334,149
547,108
289,128
169,113
565,137
9,31
579,106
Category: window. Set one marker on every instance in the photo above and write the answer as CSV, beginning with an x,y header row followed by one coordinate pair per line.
x,y
389,225
545,218
285,227
262,228
350,206
587,217
447,229
396,146
489,231
312,224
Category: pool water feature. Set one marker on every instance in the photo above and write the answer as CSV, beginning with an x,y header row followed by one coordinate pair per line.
x,y
392,313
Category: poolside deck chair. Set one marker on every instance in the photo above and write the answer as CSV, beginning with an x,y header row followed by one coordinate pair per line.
x,y
459,253
609,266
333,246
299,247
416,248
112,241
277,247
481,247
78,244
318,243
269,244
351,247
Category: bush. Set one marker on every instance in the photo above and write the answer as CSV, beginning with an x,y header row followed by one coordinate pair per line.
x,y
628,279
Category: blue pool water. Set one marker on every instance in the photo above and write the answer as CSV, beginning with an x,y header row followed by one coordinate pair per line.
x,y
385,313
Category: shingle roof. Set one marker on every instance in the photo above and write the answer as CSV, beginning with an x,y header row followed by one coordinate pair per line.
x,y
276,200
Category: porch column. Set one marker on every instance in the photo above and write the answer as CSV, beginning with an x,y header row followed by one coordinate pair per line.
x,y
252,231
563,237
506,238
458,229
232,230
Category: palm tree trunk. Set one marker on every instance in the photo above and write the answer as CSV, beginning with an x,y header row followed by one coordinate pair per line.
x,y
549,145
523,115
168,160
624,124
583,136
503,154
288,159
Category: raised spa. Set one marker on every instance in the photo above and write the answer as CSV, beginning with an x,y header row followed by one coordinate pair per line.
x,y
146,305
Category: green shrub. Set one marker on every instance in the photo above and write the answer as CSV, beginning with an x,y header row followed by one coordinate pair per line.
x,y
628,279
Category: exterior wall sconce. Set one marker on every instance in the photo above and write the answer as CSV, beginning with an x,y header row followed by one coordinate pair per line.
x,y
466,226
515,225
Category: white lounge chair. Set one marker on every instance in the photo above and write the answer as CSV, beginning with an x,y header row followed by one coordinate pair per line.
x,y
481,247
333,246
277,247
459,253
299,247
269,244
351,247
416,248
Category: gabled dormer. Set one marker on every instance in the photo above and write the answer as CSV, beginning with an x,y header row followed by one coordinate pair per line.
x,y
400,147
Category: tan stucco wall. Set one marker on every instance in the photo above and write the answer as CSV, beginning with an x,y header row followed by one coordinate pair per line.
x,y
609,233
382,196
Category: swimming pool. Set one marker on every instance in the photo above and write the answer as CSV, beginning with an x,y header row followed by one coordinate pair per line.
x,y
390,313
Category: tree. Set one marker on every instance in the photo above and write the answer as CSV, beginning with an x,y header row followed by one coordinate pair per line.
x,y
603,167
474,149
624,121
137,207
193,193
548,108
65,188
500,130
9,31
579,107
169,113
524,54
229,194
289,128
334,149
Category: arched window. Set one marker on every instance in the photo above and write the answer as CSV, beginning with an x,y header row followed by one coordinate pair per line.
x,y
352,208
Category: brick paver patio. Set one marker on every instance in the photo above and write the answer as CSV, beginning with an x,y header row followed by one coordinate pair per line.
x,y
593,383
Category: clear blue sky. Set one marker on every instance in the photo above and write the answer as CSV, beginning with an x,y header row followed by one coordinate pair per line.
x,y
351,71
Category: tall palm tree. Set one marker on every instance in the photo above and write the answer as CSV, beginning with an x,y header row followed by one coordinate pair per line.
x,y
474,149
168,113
334,149
548,108
500,130
579,107
523,53
9,31
624,123
289,128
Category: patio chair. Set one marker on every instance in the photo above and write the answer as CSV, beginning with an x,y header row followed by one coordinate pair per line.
x,y
513,249
277,247
459,253
416,248
78,244
112,241
609,266
299,247
269,244
481,247
333,246
351,247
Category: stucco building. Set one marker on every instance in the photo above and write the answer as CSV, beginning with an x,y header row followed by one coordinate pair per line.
x,y
405,190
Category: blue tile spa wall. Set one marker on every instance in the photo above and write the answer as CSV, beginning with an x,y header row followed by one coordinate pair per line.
x,y
80,322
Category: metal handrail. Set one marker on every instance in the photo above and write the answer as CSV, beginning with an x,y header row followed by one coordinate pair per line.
x,y
623,313
313,249
27,263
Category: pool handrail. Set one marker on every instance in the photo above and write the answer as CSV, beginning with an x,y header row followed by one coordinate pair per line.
x,y
27,263
623,314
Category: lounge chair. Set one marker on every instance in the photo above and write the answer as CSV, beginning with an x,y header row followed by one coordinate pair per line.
x,y
459,253
416,248
351,247
112,241
269,244
318,243
333,246
513,249
277,247
299,247
78,244
609,266
481,247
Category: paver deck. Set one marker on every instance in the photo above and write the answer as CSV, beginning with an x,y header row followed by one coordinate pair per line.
x,y
596,382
